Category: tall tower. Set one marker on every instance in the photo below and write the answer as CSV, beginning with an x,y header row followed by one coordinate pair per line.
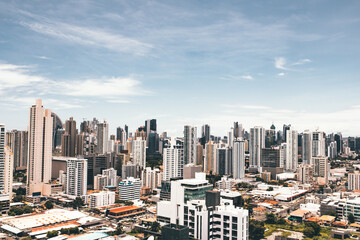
x,y
318,144
205,132
291,150
76,177
40,148
238,157
139,152
2,158
102,137
68,139
257,142
190,141
306,146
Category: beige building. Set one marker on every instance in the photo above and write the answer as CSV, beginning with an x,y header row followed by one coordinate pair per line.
x,y
40,149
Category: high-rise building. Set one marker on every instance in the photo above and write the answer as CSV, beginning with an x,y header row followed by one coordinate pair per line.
x,y
238,131
238,158
200,155
205,132
139,152
318,144
2,158
8,171
306,152
173,162
18,143
224,164
354,181
291,162
58,130
332,151
285,129
210,161
305,174
151,178
339,142
257,142
101,199
102,137
190,142
68,139
76,176
321,168
40,148
129,189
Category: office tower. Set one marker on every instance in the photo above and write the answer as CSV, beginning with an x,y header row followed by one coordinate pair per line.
x,y
76,176
332,151
354,181
139,152
230,138
126,128
111,176
2,158
269,138
80,144
210,161
130,170
100,182
18,143
357,144
205,132
238,131
190,142
173,162
200,155
102,137
305,174
68,139
339,142
58,130
238,159
351,143
40,148
224,161
257,142
318,144
282,148
285,129
306,151
150,125
129,189
101,199
291,162
151,178
121,135
270,161
321,168
153,143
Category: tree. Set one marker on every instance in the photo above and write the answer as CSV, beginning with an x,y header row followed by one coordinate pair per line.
x,y
78,202
49,204
256,230
155,227
74,230
333,213
270,189
119,230
51,234
312,229
270,218
281,221
351,218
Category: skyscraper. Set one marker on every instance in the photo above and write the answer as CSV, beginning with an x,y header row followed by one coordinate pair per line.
x,y
291,162
18,143
285,129
190,142
76,176
68,139
139,152
40,148
210,161
238,130
102,137
150,127
306,151
257,142
2,157
318,144
205,132
238,158
173,162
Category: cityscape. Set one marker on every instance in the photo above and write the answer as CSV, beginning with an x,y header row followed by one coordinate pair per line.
x,y
179,120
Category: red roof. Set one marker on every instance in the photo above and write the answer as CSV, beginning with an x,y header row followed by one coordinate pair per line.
x,y
124,209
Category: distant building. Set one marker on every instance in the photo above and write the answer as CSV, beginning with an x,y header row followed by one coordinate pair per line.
x,y
190,170
68,139
190,142
129,189
257,142
101,199
173,162
76,177
305,174
139,152
238,159
354,181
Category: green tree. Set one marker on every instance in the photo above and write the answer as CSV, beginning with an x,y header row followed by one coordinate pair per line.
x,y
351,218
51,234
256,230
270,189
333,213
74,230
28,209
155,227
312,229
119,230
270,218
49,204
281,221
78,202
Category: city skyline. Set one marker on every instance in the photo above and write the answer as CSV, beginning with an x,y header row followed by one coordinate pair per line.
x,y
183,63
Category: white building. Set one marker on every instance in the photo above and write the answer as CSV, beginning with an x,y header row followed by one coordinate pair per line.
x,y
111,175
321,169
129,189
101,199
332,150
8,171
173,162
318,144
102,136
139,152
354,181
100,181
257,142
291,161
39,148
238,158
151,178
76,177
306,146
190,142
305,173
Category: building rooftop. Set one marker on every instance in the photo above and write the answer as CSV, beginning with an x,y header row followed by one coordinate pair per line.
x,y
124,209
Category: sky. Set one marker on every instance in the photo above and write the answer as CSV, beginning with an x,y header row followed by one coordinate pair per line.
x,y
184,63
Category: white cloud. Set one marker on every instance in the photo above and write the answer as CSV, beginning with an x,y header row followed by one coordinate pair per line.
x,y
43,57
302,61
88,36
242,77
280,63
281,74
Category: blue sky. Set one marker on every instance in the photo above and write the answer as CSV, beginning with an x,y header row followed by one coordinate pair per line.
x,y
184,62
